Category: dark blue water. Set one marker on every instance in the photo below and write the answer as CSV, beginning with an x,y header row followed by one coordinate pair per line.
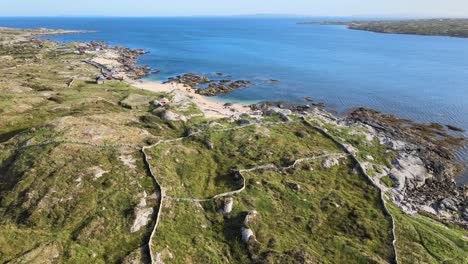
x,y
416,77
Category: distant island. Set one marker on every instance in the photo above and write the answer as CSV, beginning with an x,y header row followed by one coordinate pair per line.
x,y
427,27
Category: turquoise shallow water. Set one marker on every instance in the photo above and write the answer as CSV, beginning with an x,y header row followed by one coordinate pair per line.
x,y
416,77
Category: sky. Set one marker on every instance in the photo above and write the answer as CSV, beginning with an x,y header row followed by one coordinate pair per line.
x,y
326,8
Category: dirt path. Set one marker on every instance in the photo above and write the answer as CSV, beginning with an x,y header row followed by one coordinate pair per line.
x,y
256,168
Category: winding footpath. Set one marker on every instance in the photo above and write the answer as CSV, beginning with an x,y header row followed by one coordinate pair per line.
x,y
155,258
271,167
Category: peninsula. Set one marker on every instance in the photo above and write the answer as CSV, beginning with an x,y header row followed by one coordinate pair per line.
x,y
98,166
427,27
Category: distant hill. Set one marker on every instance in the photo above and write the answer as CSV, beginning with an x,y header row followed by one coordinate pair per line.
x,y
429,27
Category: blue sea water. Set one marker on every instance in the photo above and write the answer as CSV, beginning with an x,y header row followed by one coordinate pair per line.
x,y
423,78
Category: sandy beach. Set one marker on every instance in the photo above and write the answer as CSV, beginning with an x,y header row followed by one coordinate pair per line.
x,y
210,108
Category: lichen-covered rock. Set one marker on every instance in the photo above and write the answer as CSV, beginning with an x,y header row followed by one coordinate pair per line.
x,y
171,116
448,204
367,135
409,172
228,204
330,162
142,215
247,233
250,217
392,143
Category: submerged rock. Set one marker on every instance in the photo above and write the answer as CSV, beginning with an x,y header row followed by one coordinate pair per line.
x,y
454,128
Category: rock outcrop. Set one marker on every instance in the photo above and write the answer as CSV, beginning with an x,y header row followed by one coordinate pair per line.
x,y
220,87
168,115
408,172
228,204
247,234
250,217
215,87
190,79
425,166
143,215
330,162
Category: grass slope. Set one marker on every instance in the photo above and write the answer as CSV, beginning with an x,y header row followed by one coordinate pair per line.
x,y
75,203
335,216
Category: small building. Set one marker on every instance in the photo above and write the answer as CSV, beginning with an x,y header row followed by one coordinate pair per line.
x,y
163,102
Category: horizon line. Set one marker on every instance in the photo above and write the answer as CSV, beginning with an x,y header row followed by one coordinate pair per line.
x,y
242,15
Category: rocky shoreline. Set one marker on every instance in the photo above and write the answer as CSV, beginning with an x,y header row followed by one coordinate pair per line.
x,y
215,87
115,62
423,170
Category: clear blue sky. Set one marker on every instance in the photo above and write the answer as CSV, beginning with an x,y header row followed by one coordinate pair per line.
x,y
453,8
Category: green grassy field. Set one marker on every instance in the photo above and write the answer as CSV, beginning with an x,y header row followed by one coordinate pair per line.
x,y
335,216
70,202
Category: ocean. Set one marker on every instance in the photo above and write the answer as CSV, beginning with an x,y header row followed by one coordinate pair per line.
x,y
423,78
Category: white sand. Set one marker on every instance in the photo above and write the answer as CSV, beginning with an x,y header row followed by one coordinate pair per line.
x,y
210,108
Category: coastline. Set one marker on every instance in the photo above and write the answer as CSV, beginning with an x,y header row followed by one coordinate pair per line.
x,y
427,148
109,58
424,27
210,108
387,150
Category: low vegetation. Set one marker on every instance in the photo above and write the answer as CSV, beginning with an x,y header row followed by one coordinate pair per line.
x,y
306,213
74,187
428,27
424,240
